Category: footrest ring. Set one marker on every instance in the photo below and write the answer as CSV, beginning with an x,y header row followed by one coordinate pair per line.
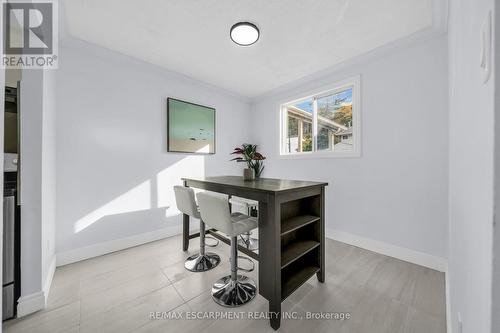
x,y
245,269
211,238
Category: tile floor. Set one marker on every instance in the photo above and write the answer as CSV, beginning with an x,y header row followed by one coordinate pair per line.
x,y
119,291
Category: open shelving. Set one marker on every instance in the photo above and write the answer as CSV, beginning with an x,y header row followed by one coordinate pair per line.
x,y
300,242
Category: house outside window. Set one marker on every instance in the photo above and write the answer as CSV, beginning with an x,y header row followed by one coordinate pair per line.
x,y
326,124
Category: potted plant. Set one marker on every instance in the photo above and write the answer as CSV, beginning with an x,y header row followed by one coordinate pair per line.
x,y
253,159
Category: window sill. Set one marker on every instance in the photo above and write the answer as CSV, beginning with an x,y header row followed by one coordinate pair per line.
x,y
316,155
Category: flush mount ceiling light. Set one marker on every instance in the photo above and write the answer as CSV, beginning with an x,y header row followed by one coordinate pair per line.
x,y
244,33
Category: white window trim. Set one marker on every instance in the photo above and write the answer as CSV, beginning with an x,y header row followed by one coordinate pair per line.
x,y
338,86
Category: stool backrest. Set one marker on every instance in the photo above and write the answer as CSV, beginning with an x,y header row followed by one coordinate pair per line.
x,y
214,210
186,202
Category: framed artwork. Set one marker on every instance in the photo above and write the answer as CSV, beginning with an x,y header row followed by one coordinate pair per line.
x,y
190,127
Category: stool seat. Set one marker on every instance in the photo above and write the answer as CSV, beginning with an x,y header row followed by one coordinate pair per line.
x,y
250,206
242,223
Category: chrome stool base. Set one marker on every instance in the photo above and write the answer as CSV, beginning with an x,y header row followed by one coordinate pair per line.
x,y
230,293
250,243
202,263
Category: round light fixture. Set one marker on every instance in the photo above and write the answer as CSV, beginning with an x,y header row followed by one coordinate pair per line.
x,y
244,33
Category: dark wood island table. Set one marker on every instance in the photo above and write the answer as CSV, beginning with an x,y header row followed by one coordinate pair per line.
x,y
291,232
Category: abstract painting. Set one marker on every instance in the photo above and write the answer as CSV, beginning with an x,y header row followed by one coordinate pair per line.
x,y
190,127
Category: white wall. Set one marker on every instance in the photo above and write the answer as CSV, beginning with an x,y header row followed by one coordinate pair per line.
x,y
37,118
114,176
496,227
48,178
397,191
31,181
471,170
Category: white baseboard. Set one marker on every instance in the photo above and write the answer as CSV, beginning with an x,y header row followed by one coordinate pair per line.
x,y
448,304
30,303
37,301
415,257
95,250
49,277
402,253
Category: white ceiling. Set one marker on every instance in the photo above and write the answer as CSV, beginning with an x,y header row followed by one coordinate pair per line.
x,y
298,38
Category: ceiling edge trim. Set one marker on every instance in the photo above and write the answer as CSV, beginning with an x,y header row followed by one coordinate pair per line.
x,y
400,44
106,53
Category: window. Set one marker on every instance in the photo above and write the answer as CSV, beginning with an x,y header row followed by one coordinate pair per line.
x,y
324,124
300,129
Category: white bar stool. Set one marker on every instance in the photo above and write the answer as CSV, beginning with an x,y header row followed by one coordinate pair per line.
x,y
235,289
186,203
246,239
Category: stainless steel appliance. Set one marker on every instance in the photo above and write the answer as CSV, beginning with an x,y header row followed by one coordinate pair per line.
x,y
11,210
9,222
